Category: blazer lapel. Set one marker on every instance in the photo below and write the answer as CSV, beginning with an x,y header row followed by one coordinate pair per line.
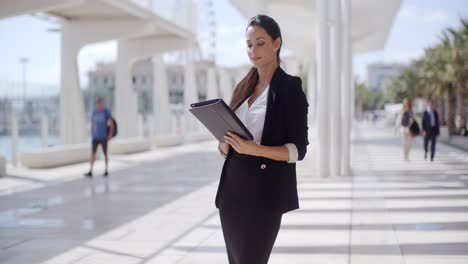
x,y
271,100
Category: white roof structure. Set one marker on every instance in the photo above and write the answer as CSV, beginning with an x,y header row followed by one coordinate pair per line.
x,y
96,10
371,22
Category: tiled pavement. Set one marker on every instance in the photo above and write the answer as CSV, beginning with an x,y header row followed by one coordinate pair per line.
x,y
158,208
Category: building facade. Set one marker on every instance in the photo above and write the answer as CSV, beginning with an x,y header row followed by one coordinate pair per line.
x,y
101,82
379,73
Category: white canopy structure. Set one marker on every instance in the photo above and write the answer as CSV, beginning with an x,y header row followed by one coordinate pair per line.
x,y
371,21
141,33
325,34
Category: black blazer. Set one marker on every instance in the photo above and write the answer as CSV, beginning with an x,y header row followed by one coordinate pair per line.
x,y
285,122
426,123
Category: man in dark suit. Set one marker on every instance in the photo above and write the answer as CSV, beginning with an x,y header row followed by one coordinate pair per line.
x,y
430,126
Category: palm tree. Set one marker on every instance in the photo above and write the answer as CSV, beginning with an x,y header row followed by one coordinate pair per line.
x,y
443,53
411,80
434,79
394,90
442,74
458,68
461,70
407,84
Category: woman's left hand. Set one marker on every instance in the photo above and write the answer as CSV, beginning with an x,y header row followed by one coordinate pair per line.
x,y
241,145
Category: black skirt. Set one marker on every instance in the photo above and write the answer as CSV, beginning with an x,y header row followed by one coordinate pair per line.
x,y
249,226
249,236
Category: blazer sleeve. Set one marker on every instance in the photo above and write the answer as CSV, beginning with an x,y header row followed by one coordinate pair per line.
x,y
296,109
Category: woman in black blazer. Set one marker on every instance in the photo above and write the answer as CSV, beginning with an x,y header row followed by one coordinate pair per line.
x,y
258,179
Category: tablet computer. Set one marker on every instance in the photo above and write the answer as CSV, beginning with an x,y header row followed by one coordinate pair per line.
x,y
219,119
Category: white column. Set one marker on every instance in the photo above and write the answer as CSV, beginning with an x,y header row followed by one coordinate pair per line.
x,y
225,85
142,40
335,87
126,110
212,89
292,66
44,130
346,85
72,114
2,166
141,127
190,93
14,139
162,117
312,93
312,98
322,52
353,92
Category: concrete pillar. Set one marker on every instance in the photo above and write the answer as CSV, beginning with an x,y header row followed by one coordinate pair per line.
x,y
312,93
335,87
76,34
141,126
126,110
2,166
347,80
322,55
225,85
162,117
190,93
129,51
72,114
292,66
312,98
14,139
212,89
353,92
44,130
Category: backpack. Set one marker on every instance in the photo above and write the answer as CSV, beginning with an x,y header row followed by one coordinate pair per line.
x,y
114,133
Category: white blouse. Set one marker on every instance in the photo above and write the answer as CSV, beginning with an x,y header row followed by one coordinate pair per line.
x,y
253,118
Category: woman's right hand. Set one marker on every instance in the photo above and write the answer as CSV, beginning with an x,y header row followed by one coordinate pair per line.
x,y
224,148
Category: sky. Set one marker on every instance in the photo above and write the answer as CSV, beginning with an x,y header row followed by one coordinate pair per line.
x,y
418,25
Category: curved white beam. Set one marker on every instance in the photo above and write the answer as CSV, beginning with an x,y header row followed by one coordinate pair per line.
x,y
21,7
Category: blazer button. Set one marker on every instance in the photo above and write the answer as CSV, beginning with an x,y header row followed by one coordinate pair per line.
x,y
263,166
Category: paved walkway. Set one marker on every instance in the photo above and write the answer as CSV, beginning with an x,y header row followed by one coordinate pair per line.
x,y
459,142
158,207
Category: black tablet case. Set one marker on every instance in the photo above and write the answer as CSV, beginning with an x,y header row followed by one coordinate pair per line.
x,y
219,119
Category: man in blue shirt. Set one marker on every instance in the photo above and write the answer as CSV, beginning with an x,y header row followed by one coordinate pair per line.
x,y
101,130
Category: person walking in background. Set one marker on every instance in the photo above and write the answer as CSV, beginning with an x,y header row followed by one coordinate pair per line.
x,y
102,130
430,127
406,121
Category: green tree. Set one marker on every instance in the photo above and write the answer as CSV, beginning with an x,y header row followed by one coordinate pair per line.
x,y
441,74
458,68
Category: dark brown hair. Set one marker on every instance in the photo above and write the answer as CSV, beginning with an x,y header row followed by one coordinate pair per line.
x,y
246,86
